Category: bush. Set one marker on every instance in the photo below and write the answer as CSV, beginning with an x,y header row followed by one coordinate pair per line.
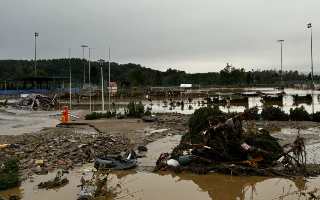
x,y
9,174
100,115
251,114
199,120
316,117
135,109
299,114
273,114
148,112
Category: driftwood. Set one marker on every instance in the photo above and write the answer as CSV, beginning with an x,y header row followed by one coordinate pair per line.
x,y
38,102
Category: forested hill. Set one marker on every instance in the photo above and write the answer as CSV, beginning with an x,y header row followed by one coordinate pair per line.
x,y
136,75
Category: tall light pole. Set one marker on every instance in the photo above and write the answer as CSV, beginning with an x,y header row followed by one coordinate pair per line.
x,y
84,63
70,80
101,62
36,34
109,86
281,71
310,27
89,73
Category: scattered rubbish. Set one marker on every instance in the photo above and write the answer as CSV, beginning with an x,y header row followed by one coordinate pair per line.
x,y
3,146
116,162
4,103
151,118
173,163
142,148
96,186
38,102
63,148
14,197
58,181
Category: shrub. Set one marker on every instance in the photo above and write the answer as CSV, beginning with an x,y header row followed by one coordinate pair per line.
x,y
148,112
199,120
251,114
99,115
316,117
9,174
135,109
273,114
299,114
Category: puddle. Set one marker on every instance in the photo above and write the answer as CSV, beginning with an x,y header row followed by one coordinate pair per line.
x,y
312,141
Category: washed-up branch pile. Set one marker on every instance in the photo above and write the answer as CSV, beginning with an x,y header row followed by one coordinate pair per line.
x,y
38,102
216,144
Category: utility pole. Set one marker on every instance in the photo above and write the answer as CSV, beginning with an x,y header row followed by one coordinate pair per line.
x,y
70,80
90,79
84,63
101,62
311,43
109,86
281,70
35,53
309,26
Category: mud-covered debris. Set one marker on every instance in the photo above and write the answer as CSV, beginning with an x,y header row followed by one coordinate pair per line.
x,y
151,118
142,148
37,102
116,162
58,181
224,146
61,148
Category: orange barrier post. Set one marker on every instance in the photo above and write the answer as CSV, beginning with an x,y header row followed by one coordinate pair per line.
x,y
65,115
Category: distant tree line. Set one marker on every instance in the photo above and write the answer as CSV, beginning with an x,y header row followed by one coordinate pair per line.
x,y
130,75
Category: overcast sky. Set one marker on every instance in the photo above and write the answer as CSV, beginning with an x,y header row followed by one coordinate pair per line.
x,y
190,35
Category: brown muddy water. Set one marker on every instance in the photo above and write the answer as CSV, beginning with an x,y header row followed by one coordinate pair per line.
x,y
158,106
142,184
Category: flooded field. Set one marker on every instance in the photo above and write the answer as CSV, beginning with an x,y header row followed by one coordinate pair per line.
x,y
141,183
159,105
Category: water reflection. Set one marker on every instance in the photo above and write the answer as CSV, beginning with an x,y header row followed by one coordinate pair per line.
x,y
162,106
213,186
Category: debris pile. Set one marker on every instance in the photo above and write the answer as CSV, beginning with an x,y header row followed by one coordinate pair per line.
x,y
224,146
58,181
37,102
98,186
61,148
116,162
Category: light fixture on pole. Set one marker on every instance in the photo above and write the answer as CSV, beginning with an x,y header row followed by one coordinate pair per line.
x,y
84,63
310,27
36,34
101,62
281,69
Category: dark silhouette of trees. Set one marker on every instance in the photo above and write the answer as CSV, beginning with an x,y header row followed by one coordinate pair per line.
x,y
129,75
